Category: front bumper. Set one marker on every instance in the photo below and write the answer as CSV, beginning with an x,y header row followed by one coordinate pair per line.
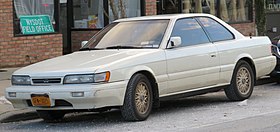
x,y
95,96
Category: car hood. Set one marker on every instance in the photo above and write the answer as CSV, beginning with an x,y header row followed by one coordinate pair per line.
x,y
81,62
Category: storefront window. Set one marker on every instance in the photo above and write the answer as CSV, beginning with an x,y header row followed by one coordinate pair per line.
x,y
230,11
123,9
32,9
200,6
236,10
90,13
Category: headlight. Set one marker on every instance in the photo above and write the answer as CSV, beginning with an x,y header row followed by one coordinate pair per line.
x,y
21,80
87,78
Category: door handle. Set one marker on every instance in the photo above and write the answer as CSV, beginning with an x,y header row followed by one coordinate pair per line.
x,y
213,55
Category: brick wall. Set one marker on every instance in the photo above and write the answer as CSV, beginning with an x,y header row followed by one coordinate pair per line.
x,y
24,50
245,28
79,36
151,7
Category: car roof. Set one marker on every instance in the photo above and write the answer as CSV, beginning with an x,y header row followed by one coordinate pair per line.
x,y
168,16
174,17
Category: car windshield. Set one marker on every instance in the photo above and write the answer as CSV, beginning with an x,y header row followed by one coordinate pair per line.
x,y
132,34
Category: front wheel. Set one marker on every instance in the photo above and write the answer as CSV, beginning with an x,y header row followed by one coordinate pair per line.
x,y
242,82
138,99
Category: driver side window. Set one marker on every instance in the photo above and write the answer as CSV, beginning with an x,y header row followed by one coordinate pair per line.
x,y
190,32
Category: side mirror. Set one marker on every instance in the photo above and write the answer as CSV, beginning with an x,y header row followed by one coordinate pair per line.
x,y
84,43
175,42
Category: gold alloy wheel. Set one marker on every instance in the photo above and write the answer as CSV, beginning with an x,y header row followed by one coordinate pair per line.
x,y
243,80
142,98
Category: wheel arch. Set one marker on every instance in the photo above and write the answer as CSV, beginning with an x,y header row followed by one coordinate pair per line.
x,y
250,61
154,85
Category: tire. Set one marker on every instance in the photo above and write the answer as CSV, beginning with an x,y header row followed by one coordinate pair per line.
x,y
278,81
275,79
51,116
138,99
274,76
242,82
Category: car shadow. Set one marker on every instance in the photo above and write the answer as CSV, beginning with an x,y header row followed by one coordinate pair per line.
x,y
114,115
171,106
113,118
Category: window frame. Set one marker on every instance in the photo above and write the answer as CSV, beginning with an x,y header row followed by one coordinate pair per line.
x,y
208,34
56,18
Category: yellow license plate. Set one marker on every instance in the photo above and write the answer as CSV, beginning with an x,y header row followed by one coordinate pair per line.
x,y
40,100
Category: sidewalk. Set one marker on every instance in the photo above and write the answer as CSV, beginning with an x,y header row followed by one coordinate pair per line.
x,y
5,79
7,112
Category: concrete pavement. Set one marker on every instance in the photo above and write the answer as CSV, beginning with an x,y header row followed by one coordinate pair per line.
x,y
5,77
5,81
6,109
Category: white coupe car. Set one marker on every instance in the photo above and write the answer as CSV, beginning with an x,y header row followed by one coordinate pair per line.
x,y
134,63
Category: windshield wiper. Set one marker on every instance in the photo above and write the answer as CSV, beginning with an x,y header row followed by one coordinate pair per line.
x,y
123,47
87,49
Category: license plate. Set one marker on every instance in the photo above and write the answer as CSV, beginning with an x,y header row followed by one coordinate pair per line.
x,y
40,100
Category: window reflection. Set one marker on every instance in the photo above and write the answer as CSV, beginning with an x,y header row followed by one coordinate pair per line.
x,y
134,33
190,32
227,10
91,13
199,6
88,13
215,30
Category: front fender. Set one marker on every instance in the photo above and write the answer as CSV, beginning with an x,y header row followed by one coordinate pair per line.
x,y
136,69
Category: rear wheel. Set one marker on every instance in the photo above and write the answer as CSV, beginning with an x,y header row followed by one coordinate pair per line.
x,y
51,116
138,99
242,82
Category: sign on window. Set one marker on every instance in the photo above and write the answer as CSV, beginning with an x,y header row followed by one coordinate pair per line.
x,y
36,24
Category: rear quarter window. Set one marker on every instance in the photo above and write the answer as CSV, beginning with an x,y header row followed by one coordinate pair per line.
x,y
215,30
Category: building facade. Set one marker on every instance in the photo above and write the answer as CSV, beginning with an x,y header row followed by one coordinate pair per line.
x,y
35,30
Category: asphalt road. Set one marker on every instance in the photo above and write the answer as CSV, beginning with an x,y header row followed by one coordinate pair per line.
x,y
209,112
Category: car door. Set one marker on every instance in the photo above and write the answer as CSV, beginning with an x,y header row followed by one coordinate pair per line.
x,y
195,63
228,48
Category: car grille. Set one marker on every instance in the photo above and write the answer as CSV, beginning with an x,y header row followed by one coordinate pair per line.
x,y
46,81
